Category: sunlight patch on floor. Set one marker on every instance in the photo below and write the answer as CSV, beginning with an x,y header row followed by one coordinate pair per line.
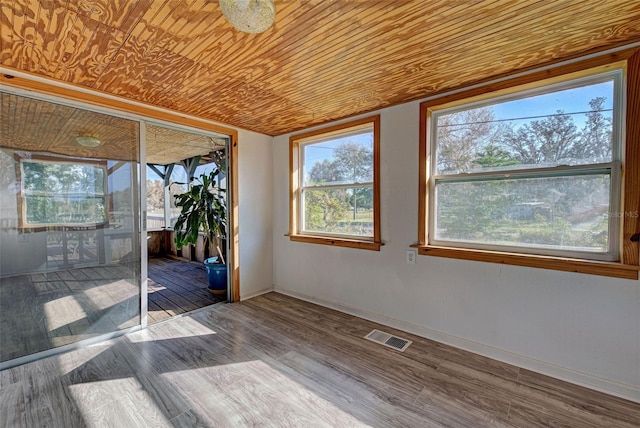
x,y
169,331
111,293
63,311
116,400
231,383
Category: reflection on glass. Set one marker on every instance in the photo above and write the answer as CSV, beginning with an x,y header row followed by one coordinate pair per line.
x,y
59,192
69,236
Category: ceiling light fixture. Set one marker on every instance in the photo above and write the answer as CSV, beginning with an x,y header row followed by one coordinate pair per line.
x,y
249,16
88,141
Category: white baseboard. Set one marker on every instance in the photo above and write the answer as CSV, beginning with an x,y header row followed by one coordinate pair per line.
x,y
256,293
628,392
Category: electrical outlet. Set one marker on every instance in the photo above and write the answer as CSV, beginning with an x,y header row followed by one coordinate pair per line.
x,y
411,257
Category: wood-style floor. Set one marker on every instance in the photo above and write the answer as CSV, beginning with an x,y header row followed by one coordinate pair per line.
x,y
276,361
175,287
40,311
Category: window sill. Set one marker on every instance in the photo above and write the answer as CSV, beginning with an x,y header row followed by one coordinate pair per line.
x,y
337,242
612,269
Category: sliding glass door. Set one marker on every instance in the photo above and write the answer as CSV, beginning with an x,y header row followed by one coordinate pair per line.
x,y
70,247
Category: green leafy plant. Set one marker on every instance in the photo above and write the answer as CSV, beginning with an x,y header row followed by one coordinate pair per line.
x,y
203,209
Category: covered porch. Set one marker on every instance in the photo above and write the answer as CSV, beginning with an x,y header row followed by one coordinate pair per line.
x,y
175,287
177,279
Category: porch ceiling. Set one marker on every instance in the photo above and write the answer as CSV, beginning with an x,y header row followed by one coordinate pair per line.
x,y
32,125
322,60
166,145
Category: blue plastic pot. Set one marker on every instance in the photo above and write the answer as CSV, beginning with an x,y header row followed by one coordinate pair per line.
x,y
216,275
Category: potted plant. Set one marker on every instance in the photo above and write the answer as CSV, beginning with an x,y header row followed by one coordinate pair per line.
x,y
203,209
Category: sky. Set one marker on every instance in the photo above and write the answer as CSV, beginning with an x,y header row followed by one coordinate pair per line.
x,y
319,151
569,100
179,174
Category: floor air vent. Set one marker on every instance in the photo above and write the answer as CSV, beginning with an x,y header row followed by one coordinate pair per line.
x,y
389,340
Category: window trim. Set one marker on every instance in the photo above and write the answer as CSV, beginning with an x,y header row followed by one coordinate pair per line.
x,y
627,266
295,189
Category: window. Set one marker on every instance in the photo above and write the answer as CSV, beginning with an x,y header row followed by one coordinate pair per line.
x,y
335,185
529,175
61,192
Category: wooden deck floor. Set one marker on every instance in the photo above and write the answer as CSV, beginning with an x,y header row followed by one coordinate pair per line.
x,y
275,361
175,287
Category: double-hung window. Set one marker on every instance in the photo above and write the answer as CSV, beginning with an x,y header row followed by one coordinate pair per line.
x,y
62,192
530,175
334,185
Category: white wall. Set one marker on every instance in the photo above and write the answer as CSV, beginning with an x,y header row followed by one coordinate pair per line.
x,y
255,213
581,328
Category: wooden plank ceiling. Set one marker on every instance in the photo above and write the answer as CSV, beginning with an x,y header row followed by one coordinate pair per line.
x,y
32,125
322,60
36,126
